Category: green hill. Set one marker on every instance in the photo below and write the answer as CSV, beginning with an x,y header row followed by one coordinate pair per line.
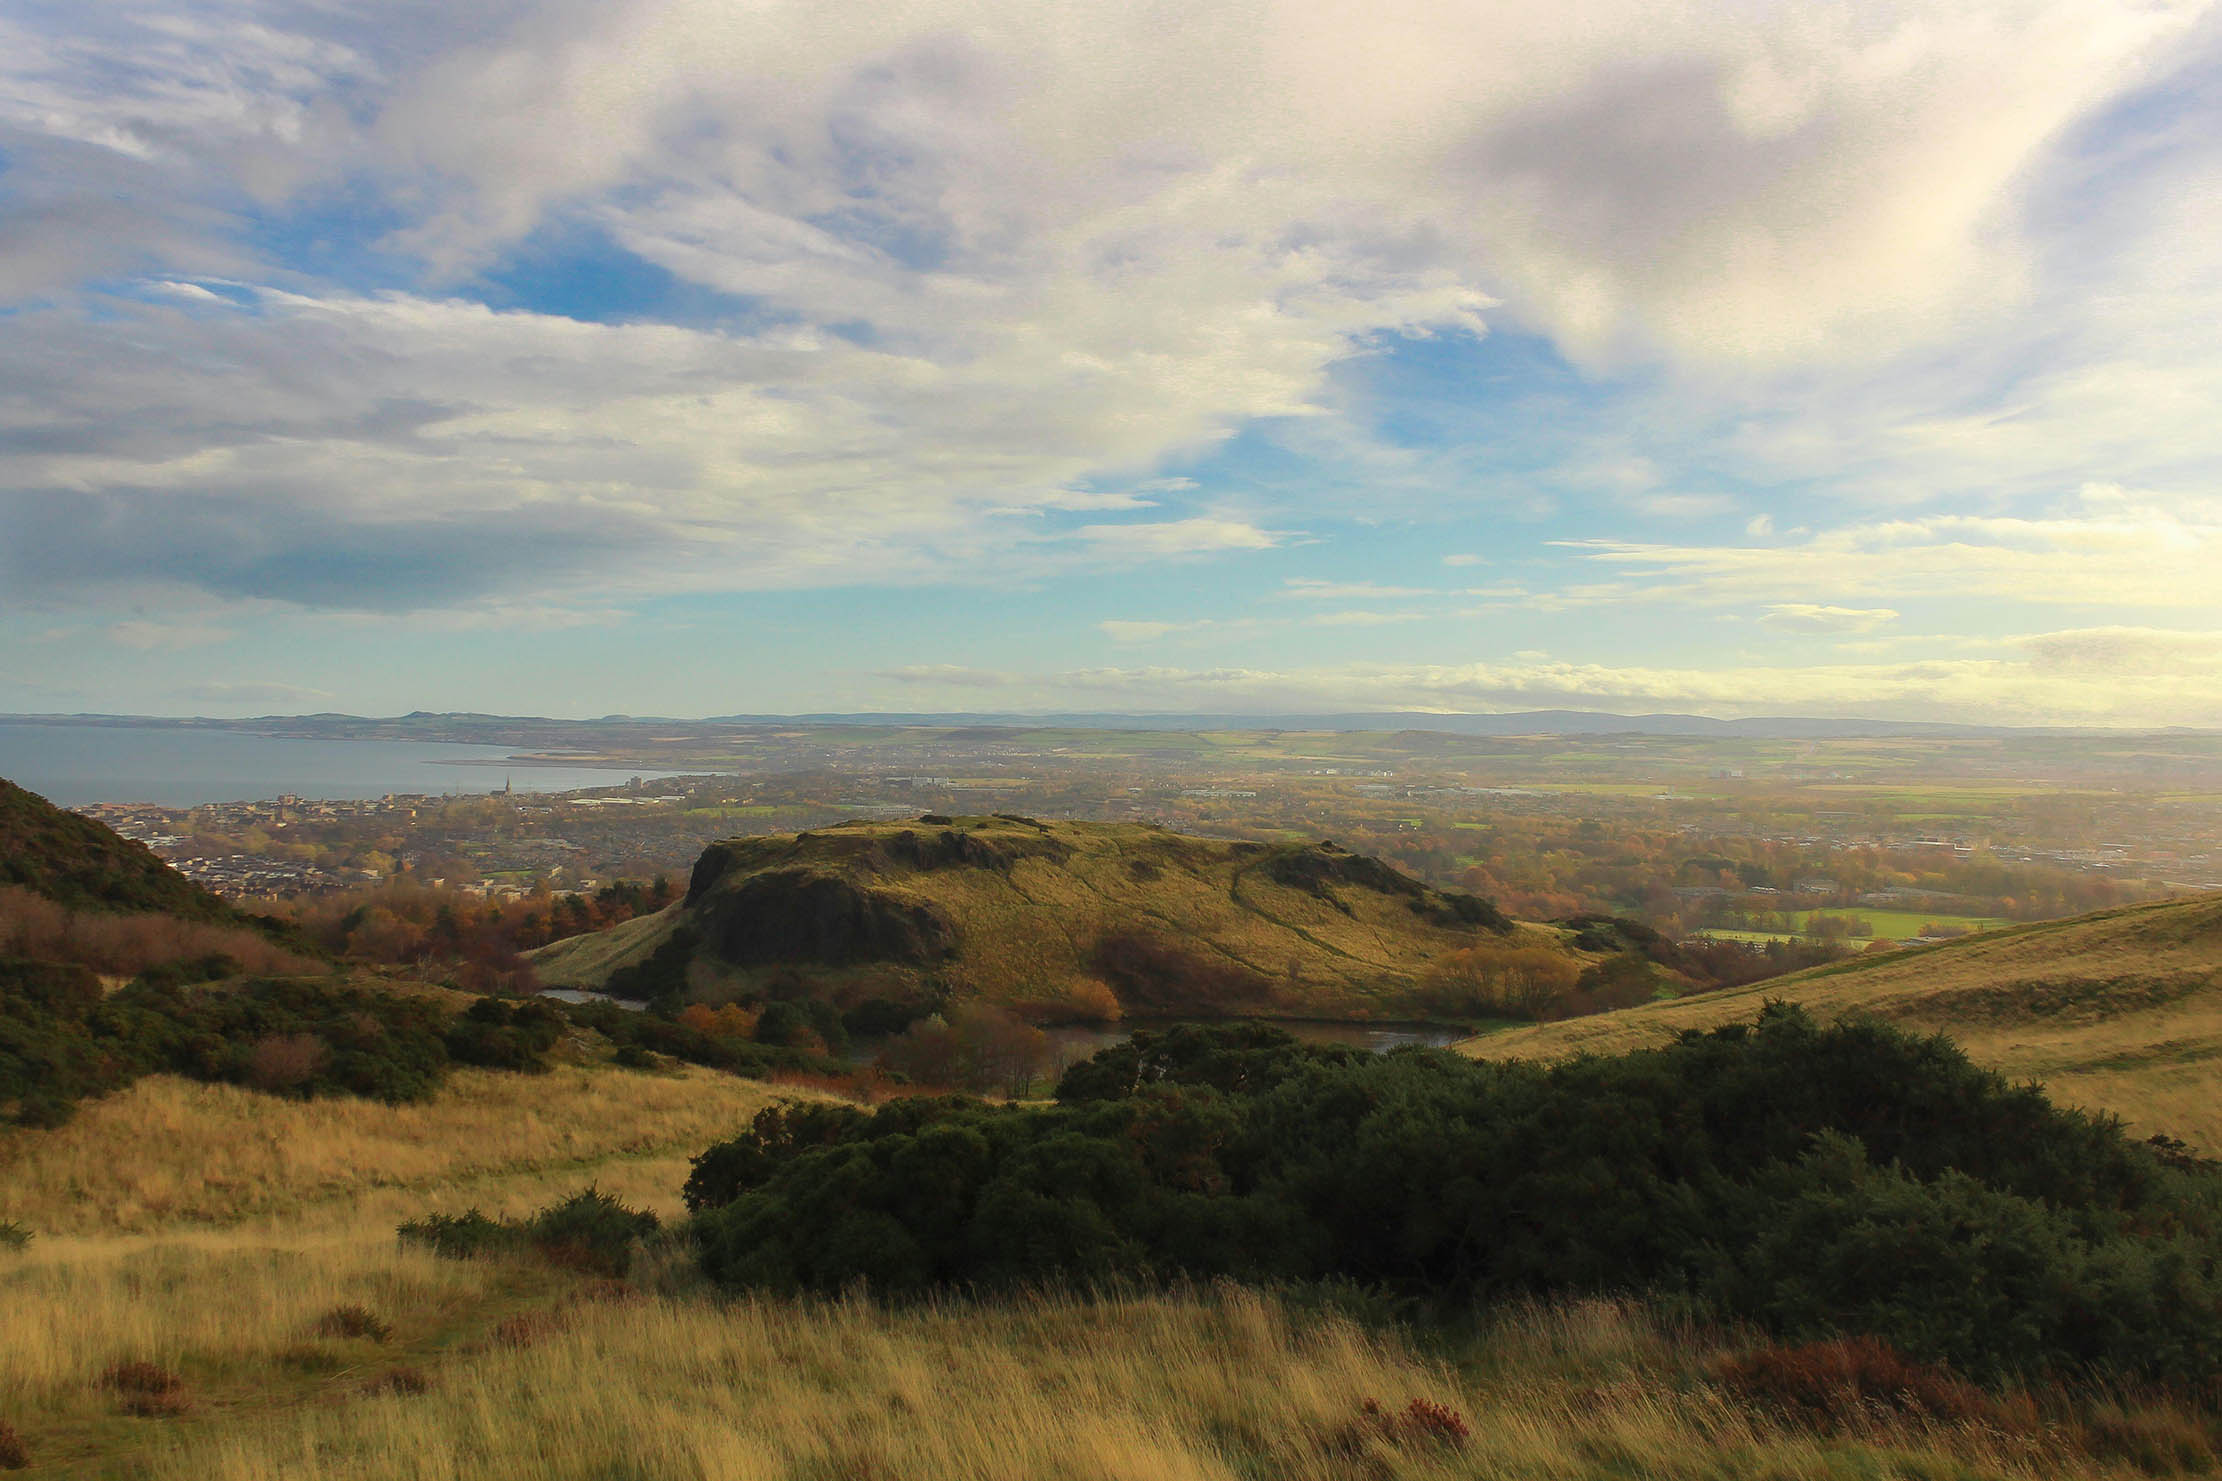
x,y
85,865
1061,919
2119,1011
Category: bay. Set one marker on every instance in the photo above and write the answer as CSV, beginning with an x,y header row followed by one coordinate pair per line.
x,y
72,765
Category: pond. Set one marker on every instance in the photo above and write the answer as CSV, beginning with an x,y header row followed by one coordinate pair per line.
x,y
1073,1042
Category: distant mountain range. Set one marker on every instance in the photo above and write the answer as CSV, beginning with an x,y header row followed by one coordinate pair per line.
x,y
517,729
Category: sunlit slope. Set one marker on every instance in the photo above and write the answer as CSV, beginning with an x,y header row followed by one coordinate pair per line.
x,y
2120,1010
1016,911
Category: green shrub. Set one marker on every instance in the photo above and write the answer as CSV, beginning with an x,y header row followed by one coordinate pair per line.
x,y
463,1236
590,1230
14,1236
1816,1181
505,1036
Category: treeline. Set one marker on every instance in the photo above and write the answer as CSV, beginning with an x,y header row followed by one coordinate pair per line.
x,y
1815,1181
1509,979
64,1040
475,941
127,943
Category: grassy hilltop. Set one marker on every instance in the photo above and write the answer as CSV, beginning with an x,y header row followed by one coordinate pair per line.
x,y
2118,1011
1067,918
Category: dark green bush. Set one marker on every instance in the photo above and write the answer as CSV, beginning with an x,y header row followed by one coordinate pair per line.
x,y
14,1236
62,1042
461,1236
505,1036
590,1230
1816,1181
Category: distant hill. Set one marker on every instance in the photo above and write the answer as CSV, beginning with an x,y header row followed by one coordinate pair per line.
x,y
539,729
86,865
2120,1010
1068,919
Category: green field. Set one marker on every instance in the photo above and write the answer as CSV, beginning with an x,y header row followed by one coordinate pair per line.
x,y
1885,925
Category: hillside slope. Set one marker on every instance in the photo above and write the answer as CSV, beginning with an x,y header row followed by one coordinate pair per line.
x,y
85,865
1057,917
2120,1010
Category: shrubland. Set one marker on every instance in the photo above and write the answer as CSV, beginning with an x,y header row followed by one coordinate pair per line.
x,y
337,1350
1810,1180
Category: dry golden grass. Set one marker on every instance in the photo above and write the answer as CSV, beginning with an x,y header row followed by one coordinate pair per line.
x,y
168,1152
1209,1387
2119,1011
510,1369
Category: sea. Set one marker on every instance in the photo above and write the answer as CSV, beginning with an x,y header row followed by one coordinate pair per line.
x,y
72,765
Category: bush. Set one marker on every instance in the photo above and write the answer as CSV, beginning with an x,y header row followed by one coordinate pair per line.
x,y
14,1236
353,1321
503,1036
590,1230
463,1236
146,1390
62,1041
15,1455
1819,1182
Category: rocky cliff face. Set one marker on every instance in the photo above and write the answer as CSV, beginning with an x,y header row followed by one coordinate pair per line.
x,y
801,916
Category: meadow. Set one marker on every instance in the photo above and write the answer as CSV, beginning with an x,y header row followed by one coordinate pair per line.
x,y
2120,1011
298,1338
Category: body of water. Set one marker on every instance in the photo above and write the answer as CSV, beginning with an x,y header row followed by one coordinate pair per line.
x,y
71,765
1073,1042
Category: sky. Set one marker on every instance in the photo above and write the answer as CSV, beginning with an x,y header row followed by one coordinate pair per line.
x,y
696,357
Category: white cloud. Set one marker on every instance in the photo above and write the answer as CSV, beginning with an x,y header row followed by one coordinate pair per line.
x,y
954,675
1682,506
990,271
1360,617
1143,632
1804,617
2106,548
2068,678
1203,535
1313,590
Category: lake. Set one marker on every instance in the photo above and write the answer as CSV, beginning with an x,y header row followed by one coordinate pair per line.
x,y
71,765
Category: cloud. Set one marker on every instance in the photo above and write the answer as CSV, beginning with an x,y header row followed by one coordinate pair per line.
x,y
1682,506
1203,535
928,293
1360,617
952,674
2142,652
253,692
1313,590
2107,547
143,634
1804,617
2065,678
1142,632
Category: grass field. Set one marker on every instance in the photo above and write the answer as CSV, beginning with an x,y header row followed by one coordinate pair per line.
x,y
496,1369
1883,925
2120,1011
